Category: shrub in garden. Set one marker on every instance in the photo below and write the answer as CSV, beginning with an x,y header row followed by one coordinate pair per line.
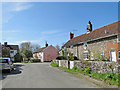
x,y
87,70
74,68
75,58
61,58
54,64
71,57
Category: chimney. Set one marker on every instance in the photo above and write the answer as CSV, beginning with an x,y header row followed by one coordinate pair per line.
x,y
46,44
5,43
71,35
89,27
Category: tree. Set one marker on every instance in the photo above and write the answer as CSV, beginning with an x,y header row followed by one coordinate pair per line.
x,y
57,47
34,47
27,53
27,48
63,44
5,52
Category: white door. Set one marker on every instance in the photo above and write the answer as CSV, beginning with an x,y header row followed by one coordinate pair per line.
x,y
113,55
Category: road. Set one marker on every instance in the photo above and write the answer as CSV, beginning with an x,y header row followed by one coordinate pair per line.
x,y
42,75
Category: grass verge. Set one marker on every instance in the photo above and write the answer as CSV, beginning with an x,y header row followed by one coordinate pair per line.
x,y
108,78
54,64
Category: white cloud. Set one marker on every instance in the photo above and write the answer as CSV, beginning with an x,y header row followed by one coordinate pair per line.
x,y
50,32
9,8
21,6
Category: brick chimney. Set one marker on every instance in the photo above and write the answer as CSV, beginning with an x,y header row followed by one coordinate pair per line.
x,y
5,43
71,35
89,27
46,44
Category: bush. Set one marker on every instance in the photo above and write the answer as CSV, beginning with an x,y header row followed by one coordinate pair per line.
x,y
30,61
54,64
74,68
75,58
87,71
61,58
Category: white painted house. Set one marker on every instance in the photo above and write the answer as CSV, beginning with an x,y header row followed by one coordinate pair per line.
x,y
14,49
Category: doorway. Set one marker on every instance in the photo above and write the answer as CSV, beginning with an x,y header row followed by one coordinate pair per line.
x,y
113,55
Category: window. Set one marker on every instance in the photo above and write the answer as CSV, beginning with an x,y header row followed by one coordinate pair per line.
x,y
11,51
85,55
102,52
71,47
118,38
119,55
85,45
92,56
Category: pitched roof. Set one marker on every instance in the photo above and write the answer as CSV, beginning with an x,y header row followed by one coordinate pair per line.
x,y
40,50
12,47
97,33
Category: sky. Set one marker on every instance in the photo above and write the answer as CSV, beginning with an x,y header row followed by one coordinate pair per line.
x,y
38,22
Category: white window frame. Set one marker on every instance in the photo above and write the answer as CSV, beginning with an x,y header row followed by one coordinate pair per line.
x,y
71,47
118,55
88,55
92,56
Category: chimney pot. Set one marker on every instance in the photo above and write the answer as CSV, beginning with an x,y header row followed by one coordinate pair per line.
x,y
5,43
71,35
46,44
89,27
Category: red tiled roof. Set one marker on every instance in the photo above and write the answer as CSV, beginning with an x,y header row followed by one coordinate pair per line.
x,y
97,33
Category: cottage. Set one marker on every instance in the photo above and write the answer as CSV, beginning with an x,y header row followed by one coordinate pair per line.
x,y
104,41
10,51
46,53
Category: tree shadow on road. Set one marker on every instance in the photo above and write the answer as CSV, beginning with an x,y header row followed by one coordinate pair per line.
x,y
17,70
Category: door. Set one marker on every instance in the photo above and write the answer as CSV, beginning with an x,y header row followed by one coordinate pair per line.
x,y
113,55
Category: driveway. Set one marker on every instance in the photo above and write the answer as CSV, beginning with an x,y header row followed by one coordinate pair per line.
x,y
42,75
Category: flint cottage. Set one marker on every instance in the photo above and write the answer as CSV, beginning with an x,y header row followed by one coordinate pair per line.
x,y
104,41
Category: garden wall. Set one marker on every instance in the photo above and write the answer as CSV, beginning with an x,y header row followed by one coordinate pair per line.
x,y
61,63
97,66
56,61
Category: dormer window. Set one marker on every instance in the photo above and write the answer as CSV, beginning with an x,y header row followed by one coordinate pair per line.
x,y
11,51
71,47
85,45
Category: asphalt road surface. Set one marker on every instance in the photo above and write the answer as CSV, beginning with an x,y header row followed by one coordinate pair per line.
x,y
41,75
